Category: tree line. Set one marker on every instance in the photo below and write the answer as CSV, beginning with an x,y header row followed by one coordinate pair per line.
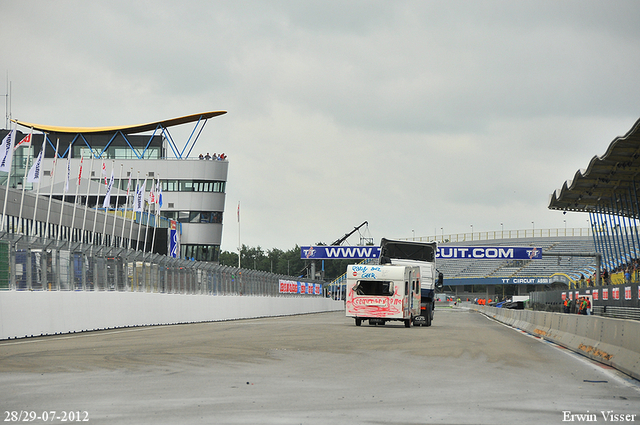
x,y
283,262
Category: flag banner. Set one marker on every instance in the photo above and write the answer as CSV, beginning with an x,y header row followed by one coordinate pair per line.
x,y
138,205
80,172
129,185
159,197
36,169
107,197
104,172
152,193
66,180
174,240
26,140
6,151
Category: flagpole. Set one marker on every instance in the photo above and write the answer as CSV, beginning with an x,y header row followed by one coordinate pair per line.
x,y
115,214
47,232
126,203
9,154
86,206
155,217
134,213
146,230
75,200
24,185
95,214
106,206
239,246
39,172
66,188
142,189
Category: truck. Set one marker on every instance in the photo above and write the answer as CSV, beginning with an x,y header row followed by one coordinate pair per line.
x,y
380,293
423,255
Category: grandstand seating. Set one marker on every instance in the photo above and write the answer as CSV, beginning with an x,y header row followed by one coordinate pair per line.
x,y
547,266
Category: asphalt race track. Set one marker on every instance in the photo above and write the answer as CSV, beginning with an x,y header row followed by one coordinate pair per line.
x,y
310,369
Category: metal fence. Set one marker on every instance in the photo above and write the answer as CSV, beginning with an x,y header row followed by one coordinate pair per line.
x,y
37,264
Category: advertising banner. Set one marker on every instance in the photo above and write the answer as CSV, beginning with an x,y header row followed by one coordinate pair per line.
x,y
468,252
174,240
297,287
338,252
489,252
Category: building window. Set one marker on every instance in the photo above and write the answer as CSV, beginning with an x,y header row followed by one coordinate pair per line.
x,y
201,252
210,186
194,216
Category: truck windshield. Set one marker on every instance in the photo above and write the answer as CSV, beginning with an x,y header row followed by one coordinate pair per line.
x,y
374,287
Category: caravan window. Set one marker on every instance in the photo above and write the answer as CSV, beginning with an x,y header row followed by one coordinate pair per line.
x,y
374,287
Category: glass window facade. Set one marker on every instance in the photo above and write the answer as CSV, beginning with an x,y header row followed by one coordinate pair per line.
x,y
194,216
200,252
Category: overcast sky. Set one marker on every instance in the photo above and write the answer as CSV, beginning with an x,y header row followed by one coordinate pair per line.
x,y
416,116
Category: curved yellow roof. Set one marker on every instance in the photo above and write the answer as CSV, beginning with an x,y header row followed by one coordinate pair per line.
x,y
126,129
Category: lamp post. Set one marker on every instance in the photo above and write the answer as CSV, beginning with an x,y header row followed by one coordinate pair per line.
x,y
533,226
472,232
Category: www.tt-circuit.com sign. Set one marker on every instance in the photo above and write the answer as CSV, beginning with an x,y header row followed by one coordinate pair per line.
x,y
489,252
469,252
338,252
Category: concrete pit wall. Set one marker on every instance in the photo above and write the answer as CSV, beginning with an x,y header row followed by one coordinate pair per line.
x,y
27,313
615,342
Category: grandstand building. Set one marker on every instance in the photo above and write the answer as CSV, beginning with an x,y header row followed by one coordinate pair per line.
x,y
506,277
193,189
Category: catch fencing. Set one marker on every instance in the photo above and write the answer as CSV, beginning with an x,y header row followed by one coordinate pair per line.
x,y
38,264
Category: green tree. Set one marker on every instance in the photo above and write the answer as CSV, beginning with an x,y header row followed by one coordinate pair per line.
x,y
282,262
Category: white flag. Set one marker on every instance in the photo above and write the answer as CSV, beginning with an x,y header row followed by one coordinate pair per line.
x,y
129,185
138,205
152,193
107,197
137,202
6,151
36,169
66,180
159,196
26,140
104,172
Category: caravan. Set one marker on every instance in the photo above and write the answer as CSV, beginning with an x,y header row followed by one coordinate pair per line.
x,y
382,293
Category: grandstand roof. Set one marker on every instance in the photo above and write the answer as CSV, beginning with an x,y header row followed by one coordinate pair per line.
x,y
608,183
127,129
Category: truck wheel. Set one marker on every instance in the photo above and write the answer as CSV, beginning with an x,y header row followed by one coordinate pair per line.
x,y
407,323
358,322
429,315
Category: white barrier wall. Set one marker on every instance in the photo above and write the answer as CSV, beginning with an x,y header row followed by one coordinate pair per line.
x,y
26,313
615,342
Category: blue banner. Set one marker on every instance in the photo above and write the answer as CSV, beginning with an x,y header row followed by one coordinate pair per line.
x,y
489,252
174,240
338,252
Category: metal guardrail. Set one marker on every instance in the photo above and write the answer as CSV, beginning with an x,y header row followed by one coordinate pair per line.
x,y
631,313
503,234
38,264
